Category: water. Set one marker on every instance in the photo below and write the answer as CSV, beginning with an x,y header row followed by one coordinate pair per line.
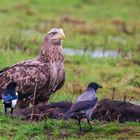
x,y
97,53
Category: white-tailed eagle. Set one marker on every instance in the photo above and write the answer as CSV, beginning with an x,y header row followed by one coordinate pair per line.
x,y
45,73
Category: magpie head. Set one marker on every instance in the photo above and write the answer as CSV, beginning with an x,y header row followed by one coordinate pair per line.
x,y
11,85
94,86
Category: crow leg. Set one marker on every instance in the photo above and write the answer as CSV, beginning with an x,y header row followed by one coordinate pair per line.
x,y
89,123
79,123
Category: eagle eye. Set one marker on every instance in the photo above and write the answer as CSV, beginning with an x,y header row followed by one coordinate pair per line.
x,y
54,33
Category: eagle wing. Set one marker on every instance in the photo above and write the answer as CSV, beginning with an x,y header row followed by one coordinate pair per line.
x,y
26,74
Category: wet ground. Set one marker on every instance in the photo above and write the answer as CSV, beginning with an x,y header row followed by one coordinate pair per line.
x,y
97,53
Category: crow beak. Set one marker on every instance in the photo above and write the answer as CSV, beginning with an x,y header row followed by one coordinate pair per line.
x,y
99,86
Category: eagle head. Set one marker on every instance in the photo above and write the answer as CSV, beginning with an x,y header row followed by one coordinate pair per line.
x,y
55,36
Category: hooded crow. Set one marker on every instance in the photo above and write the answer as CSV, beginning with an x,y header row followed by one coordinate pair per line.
x,y
84,105
10,97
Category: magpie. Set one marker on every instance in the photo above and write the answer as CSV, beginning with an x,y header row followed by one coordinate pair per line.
x,y
84,105
10,97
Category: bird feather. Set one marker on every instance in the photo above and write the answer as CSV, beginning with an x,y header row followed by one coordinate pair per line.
x,y
47,71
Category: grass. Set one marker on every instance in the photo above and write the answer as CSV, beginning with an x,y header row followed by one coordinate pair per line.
x,y
91,24
88,24
13,128
124,77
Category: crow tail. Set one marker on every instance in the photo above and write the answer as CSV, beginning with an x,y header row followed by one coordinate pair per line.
x,y
68,115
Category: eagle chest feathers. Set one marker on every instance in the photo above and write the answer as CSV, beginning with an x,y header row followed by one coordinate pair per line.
x,y
46,71
57,75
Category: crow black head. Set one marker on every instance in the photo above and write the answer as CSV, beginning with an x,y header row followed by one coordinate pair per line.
x,y
11,85
94,86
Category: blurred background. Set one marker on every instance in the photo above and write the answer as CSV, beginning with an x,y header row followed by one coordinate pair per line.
x,y
102,41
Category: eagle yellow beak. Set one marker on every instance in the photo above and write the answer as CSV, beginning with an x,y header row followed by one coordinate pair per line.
x,y
60,35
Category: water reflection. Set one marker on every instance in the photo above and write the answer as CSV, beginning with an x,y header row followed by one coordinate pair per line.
x,y
97,53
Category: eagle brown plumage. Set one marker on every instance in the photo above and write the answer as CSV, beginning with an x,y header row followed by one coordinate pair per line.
x,y
46,72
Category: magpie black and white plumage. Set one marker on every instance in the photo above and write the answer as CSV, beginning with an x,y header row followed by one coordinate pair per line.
x,y
84,105
10,97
